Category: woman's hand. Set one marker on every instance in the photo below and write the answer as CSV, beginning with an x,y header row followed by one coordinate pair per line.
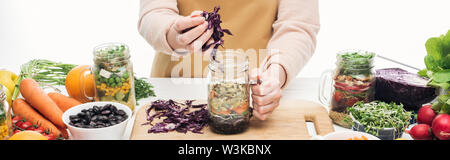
x,y
196,34
266,96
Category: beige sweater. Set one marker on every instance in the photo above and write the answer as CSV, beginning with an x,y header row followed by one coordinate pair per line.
x,y
294,29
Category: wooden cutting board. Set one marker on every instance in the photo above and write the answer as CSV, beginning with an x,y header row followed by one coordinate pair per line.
x,y
288,122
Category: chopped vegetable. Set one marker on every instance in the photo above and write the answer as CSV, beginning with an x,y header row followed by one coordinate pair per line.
x,y
400,86
143,89
375,116
214,21
177,118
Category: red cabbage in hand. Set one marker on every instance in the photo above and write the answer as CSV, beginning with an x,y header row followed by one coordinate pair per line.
x,y
213,19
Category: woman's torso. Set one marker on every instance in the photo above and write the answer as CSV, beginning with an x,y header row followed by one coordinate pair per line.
x,y
250,21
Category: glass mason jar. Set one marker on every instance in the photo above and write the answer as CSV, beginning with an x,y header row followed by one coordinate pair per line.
x,y
114,76
229,93
353,80
5,115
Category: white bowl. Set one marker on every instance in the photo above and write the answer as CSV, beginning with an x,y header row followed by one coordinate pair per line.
x,y
114,132
345,135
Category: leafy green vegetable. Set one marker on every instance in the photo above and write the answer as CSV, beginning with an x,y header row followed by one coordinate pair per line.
x,y
437,61
143,89
375,116
355,62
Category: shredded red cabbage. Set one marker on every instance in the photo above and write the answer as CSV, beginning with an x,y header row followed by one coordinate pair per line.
x,y
213,19
177,118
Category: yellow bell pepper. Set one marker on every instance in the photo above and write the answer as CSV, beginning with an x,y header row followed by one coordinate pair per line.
x,y
8,79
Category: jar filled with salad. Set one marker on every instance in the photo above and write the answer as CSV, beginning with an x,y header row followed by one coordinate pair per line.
x,y
114,76
229,93
353,81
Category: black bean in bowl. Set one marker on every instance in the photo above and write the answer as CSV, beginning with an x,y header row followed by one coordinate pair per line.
x,y
98,117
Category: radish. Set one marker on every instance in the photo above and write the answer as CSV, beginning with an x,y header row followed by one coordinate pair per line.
x,y
426,115
441,126
421,132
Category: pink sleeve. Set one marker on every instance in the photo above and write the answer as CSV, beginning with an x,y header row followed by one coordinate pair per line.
x,y
155,19
294,36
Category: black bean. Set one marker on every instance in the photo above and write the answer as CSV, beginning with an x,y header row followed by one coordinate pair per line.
x,y
73,116
121,112
106,112
81,114
75,120
113,109
114,118
106,107
84,121
96,109
77,124
98,117
94,118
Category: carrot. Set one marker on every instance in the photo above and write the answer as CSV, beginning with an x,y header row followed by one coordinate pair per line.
x,y
241,109
37,98
64,103
21,108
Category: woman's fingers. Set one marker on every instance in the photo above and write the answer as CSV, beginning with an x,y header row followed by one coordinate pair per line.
x,y
188,37
275,95
265,109
261,116
267,86
196,13
184,23
196,46
208,51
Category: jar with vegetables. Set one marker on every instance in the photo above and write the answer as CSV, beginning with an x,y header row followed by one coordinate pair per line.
x,y
113,70
228,93
353,81
5,126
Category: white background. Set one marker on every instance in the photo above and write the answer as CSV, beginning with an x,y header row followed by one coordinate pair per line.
x,y
68,30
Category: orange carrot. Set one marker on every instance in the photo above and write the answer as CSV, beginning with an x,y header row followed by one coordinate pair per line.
x,y
21,108
37,98
64,103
